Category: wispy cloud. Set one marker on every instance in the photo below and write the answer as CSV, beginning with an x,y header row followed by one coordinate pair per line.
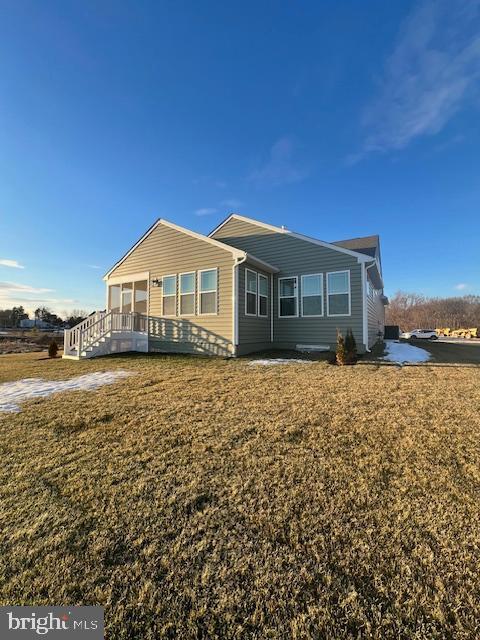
x,y
11,263
280,167
206,211
232,203
22,288
93,266
431,74
461,286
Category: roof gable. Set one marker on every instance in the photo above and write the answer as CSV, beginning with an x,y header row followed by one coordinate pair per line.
x,y
361,257
236,253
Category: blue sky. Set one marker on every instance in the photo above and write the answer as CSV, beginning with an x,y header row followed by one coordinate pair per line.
x,y
336,119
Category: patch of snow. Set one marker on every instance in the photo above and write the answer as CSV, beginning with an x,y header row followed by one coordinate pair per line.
x,y
401,352
12,393
272,361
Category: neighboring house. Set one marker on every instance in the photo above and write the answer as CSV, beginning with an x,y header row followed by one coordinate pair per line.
x,y
39,324
246,287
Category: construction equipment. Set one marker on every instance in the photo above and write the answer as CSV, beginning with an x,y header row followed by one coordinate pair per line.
x,y
473,332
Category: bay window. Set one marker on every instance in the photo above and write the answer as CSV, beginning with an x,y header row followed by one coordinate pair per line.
x,y
262,295
250,292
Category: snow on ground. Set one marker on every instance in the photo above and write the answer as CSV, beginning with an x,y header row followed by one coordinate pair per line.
x,y
402,352
12,393
272,361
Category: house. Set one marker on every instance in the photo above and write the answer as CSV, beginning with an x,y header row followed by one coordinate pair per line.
x,y
246,287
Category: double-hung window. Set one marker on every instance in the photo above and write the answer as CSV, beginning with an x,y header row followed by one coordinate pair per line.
x,y
312,295
187,294
251,285
262,295
338,293
208,292
287,297
169,295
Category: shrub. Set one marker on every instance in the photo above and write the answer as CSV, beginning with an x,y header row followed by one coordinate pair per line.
x,y
350,347
341,352
52,349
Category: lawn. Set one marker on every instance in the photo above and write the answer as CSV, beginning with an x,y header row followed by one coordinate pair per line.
x,y
206,498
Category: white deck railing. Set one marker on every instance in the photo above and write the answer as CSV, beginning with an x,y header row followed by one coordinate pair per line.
x,y
99,325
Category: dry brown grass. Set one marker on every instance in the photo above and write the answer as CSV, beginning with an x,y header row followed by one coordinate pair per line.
x,y
209,499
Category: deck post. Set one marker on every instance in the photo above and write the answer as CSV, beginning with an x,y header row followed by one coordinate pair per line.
x,y
79,342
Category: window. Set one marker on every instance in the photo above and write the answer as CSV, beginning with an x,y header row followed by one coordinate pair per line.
x,y
312,295
140,289
338,293
262,295
208,292
287,297
250,293
169,295
187,294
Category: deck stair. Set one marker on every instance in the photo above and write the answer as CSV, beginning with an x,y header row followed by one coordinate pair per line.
x,y
106,332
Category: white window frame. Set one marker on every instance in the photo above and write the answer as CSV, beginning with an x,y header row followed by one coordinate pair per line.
x,y
170,295
294,296
194,293
199,292
340,315
251,315
261,295
302,295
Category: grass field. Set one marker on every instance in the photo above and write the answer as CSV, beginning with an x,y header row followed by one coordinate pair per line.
x,y
211,499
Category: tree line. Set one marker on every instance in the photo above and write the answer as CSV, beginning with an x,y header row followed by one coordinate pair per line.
x,y
416,311
11,318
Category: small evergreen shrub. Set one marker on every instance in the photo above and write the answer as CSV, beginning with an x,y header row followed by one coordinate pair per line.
x,y
350,347
341,352
52,349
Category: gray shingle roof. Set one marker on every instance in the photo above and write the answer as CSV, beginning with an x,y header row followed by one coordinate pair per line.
x,y
367,245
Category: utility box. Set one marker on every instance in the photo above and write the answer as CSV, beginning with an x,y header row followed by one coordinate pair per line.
x,y
392,332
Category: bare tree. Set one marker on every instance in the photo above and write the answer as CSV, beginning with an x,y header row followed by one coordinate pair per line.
x,y
414,310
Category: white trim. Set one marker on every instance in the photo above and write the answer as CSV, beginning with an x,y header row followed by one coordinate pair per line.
x,y
199,291
145,275
236,303
364,308
294,296
307,275
170,295
237,253
194,293
361,257
251,315
261,295
261,264
340,315
365,302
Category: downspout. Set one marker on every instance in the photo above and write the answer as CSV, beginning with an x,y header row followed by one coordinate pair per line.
x,y
365,308
235,286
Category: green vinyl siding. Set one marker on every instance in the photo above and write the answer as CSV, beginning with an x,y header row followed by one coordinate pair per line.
x,y
252,329
297,257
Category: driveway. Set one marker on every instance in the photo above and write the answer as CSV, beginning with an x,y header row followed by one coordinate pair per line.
x,y
451,350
